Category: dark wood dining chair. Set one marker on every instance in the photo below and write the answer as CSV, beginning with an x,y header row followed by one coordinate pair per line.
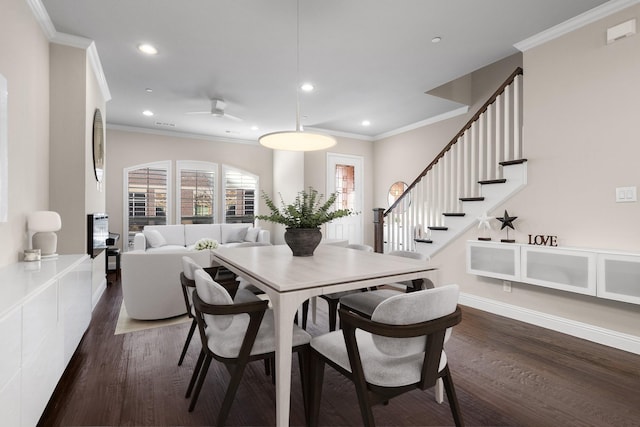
x,y
235,334
365,303
398,350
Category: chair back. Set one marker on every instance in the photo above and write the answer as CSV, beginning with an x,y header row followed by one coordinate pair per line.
x,y
412,308
189,266
359,247
210,292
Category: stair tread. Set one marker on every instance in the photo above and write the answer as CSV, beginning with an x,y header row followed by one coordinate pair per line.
x,y
512,162
438,228
454,214
423,240
492,181
471,199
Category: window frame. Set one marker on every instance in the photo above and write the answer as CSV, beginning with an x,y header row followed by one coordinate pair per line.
x,y
223,195
166,165
197,165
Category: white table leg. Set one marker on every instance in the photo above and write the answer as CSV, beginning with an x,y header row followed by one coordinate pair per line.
x,y
439,391
284,309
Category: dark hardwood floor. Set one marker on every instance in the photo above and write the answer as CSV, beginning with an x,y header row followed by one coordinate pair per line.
x,y
506,373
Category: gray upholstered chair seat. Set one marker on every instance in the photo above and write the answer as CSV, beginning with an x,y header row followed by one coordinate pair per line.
x,y
366,302
226,343
379,368
244,295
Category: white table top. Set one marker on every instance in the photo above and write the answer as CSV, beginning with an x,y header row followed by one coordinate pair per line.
x,y
276,267
21,280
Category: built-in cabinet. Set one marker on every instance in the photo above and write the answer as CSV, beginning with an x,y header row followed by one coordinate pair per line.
x,y
600,273
45,308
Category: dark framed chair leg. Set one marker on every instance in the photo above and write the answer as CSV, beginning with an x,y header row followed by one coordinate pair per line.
x,y
316,374
194,376
230,394
202,376
452,398
303,362
305,314
192,329
333,314
267,367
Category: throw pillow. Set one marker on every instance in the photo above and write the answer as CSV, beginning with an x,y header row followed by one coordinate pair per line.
x,y
236,235
154,238
252,234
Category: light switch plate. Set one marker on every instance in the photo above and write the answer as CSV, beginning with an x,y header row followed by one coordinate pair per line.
x,y
626,194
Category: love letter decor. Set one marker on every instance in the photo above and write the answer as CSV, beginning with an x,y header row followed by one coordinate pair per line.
x,y
543,240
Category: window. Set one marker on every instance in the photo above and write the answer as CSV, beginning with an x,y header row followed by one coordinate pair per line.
x,y
196,197
345,187
147,195
240,190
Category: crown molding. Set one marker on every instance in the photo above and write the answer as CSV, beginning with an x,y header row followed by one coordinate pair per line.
x,y
575,23
422,123
136,129
341,134
42,16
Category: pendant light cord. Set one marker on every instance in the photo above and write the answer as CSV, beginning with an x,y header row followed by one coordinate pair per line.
x,y
298,126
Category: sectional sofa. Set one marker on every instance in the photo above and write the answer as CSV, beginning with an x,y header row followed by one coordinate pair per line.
x,y
151,271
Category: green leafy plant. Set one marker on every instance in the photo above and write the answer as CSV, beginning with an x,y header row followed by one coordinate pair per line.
x,y
306,211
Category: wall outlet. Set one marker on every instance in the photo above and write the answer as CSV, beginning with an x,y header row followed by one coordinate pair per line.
x,y
506,286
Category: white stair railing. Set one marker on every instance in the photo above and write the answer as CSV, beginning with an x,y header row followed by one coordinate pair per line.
x,y
492,136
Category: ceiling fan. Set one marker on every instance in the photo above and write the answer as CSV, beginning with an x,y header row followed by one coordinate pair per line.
x,y
217,110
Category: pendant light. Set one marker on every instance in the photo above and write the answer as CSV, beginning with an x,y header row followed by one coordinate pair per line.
x,y
299,139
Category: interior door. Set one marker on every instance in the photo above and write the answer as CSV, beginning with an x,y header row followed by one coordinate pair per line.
x,y
345,177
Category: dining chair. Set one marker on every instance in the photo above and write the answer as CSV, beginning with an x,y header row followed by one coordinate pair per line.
x,y
398,350
187,281
333,299
235,334
365,303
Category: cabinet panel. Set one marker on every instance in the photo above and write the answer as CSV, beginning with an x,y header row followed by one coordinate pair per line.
x,y
39,320
501,261
75,306
568,270
40,376
619,277
11,345
10,401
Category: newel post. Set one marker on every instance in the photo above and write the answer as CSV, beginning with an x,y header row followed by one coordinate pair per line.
x,y
378,230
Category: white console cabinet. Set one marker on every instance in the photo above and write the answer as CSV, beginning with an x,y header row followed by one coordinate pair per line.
x,y
605,274
45,308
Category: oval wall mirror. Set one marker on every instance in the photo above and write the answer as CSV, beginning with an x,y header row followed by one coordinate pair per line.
x,y
395,191
98,145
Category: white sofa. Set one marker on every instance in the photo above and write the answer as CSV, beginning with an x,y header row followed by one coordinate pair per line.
x,y
150,273
183,237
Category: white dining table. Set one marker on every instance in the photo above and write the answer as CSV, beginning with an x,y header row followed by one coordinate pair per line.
x,y
289,281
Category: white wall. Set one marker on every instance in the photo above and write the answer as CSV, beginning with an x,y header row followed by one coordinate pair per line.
x,y
581,138
126,148
24,62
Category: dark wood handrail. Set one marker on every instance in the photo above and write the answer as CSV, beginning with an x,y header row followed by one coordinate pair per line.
x,y
476,116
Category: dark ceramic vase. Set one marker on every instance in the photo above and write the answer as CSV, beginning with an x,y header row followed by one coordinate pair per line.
x,y
302,241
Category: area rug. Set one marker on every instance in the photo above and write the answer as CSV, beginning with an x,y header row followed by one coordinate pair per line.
x,y
126,324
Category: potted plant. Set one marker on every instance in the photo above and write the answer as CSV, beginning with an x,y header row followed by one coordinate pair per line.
x,y
303,219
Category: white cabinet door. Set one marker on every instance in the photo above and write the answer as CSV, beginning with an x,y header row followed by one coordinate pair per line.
x,y
10,401
498,260
619,277
75,306
564,269
11,345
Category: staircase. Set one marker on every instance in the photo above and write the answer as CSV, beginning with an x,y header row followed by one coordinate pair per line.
x,y
480,168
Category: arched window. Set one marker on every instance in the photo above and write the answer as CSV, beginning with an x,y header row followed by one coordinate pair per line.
x,y
196,201
147,197
240,190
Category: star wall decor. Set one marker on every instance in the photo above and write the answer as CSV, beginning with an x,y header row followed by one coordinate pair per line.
x,y
507,222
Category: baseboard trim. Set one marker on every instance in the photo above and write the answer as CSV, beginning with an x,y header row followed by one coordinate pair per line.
x,y
574,328
98,294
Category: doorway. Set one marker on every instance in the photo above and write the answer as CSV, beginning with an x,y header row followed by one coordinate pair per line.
x,y
345,177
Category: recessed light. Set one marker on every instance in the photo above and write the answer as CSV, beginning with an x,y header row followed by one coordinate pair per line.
x,y
366,123
147,113
436,39
254,128
148,49
148,90
307,87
